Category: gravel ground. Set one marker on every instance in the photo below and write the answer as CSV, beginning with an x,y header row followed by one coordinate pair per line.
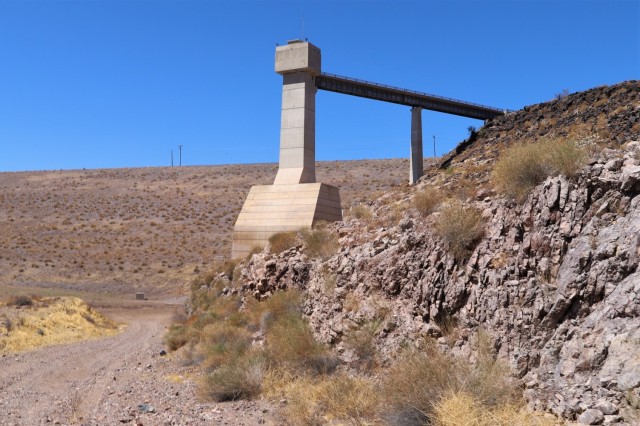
x,y
118,380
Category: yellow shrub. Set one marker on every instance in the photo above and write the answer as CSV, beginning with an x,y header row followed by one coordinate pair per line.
x,y
523,166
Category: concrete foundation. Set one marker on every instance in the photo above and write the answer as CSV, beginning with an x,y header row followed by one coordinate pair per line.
x,y
269,209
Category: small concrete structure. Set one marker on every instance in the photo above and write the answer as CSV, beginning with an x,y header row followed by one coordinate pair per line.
x,y
295,200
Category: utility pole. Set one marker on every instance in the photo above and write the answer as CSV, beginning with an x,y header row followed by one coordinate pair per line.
x,y
180,147
171,158
434,146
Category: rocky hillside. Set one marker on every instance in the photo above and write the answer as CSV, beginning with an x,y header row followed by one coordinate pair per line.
x,y
553,280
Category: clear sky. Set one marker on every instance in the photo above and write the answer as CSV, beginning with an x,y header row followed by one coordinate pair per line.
x,y
121,83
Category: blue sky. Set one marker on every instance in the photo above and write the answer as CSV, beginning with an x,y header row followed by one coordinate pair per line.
x,y
121,83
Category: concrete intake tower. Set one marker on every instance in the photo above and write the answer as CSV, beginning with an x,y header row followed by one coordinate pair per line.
x,y
295,200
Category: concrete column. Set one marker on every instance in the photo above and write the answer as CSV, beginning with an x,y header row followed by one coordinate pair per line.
x,y
416,170
298,62
297,130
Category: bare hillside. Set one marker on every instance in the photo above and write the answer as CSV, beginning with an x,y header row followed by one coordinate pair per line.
x,y
146,229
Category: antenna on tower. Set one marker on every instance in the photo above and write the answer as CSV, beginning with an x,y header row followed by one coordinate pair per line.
x,y
302,38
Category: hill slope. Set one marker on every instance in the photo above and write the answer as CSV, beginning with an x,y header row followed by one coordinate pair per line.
x,y
553,279
142,229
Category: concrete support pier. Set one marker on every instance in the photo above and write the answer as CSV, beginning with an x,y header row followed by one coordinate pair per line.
x,y
294,201
416,160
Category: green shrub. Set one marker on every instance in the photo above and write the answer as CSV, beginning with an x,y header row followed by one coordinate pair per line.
x,y
319,243
523,166
282,241
460,227
427,200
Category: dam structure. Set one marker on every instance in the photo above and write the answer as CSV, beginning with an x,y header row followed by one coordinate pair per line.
x,y
295,200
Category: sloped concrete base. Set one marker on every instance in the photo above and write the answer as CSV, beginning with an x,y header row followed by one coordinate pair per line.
x,y
269,209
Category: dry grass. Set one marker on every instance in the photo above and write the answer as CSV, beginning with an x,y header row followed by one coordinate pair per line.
x,y
222,334
51,321
416,384
523,166
427,200
223,342
291,346
361,212
338,399
460,227
419,388
461,408
282,241
241,378
319,243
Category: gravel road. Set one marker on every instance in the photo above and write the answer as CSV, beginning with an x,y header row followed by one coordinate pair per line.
x,y
113,381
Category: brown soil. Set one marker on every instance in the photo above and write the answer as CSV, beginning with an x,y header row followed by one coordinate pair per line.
x,y
146,229
116,380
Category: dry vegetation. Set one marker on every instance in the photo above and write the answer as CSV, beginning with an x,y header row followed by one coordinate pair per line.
x,y
28,322
523,166
461,227
427,200
265,348
148,229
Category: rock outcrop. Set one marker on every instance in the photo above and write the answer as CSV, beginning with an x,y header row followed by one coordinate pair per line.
x,y
554,281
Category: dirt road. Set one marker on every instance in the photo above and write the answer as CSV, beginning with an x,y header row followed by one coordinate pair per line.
x,y
112,381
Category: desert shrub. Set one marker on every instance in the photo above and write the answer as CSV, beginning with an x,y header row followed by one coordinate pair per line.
x,y
337,399
290,345
241,378
319,243
222,342
21,300
462,408
282,241
419,382
460,227
360,211
523,166
281,304
176,337
416,382
427,200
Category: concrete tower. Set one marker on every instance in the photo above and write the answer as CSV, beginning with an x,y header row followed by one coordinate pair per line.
x,y
294,201
298,63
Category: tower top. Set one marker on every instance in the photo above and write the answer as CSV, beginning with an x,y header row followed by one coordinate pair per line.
x,y
298,56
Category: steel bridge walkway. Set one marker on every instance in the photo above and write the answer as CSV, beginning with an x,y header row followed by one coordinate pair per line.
x,y
396,95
